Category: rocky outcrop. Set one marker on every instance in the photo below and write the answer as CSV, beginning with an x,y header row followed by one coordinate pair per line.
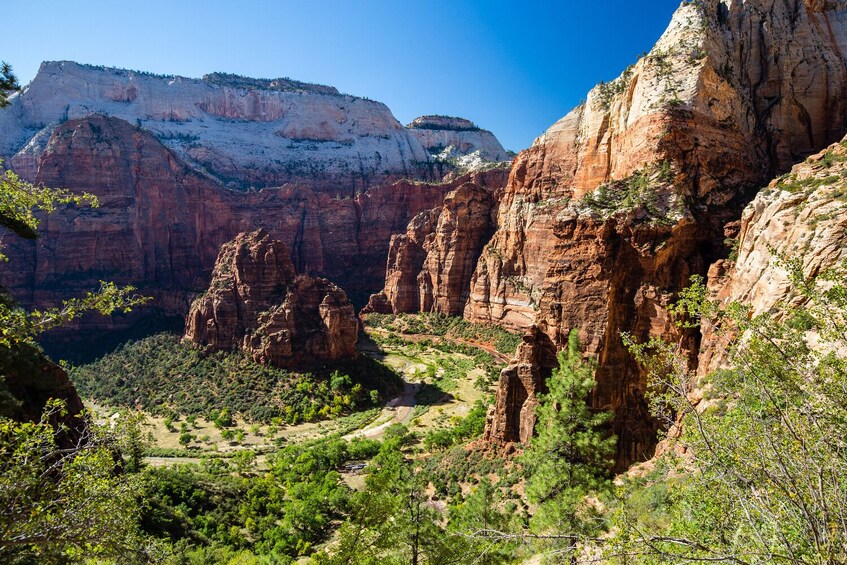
x,y
28,380
512,418
801,215
160,224
456,139
242,132
430,266
730,95
257,303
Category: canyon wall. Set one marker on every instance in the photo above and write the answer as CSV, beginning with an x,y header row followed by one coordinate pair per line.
x,y
430,266
160,223
608,214
242,132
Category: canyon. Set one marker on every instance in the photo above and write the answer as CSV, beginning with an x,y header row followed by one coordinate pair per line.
x,y
595,228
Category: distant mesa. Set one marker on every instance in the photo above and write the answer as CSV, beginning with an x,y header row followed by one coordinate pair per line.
x,y
443,122
244,133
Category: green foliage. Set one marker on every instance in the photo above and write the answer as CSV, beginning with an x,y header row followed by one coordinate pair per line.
x,y
281,514
63,503
765,477
161,374
8,83
448,326
392,520
19,326
640,192
471,426
572,454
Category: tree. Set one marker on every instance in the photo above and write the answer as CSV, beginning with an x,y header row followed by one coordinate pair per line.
x,y
572,454
59,504
764,476
8,83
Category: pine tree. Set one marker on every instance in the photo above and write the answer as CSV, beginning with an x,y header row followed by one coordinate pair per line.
x,y
572,454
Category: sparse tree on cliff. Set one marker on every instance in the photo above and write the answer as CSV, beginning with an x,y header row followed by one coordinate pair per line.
x,y
764,475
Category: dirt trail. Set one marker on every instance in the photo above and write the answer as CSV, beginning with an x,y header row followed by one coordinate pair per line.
x,y
398,411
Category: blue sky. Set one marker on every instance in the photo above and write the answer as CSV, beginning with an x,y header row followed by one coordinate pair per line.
x,y
512,67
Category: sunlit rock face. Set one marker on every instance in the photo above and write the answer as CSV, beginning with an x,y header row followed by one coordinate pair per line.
x,y
799,216
256,302
457,141
242,132
732,94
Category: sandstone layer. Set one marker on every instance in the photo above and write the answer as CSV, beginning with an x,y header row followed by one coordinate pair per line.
x,y
801,216
731,95
160,223
242,132
430,266
258,303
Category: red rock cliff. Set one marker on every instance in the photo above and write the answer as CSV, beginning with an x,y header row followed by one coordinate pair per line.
x,y
160,224
257,303
731,94
430,266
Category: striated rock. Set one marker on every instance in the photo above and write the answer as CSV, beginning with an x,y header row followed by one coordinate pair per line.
x,y
244,133
731,94
457,139
256,302
430,266
801,215
160,224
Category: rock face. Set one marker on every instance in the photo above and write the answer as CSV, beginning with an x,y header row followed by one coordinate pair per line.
x,y
257,303
512,418
732,94
800,215
244,133
160,224
447,138
430,266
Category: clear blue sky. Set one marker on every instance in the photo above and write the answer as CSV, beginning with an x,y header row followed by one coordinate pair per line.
x,y
512,67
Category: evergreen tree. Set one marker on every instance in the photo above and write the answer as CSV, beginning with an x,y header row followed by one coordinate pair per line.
x,y
572,453
8,83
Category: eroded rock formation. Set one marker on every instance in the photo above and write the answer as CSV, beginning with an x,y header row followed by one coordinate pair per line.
x,y
160,224
430,266
256,302
732,94
802,216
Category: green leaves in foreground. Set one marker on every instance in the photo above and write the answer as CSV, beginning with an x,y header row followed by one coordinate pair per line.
x,y
764,473
19,326
60,503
